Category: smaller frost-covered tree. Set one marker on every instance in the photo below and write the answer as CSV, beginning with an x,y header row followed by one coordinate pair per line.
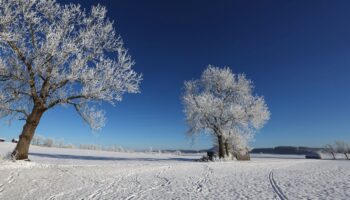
x,y
222,103
53,54
347,151
342,147
330,149
37,140
48,142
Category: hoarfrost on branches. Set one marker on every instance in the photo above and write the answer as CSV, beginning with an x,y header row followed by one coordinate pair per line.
x,y
222,103
53,54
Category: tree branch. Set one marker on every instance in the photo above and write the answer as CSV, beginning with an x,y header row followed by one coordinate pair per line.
x,y
67,100
29,68
32,33
22,111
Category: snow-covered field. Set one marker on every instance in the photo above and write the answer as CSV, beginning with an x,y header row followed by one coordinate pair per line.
x,y
83,174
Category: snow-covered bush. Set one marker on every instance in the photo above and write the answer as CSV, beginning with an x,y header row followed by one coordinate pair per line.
x,y
90,146
178,153
69,146
38,140
48,142
7,157
120,149
59,143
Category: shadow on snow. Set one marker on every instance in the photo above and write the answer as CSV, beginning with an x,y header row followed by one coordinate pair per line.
x,y
104,158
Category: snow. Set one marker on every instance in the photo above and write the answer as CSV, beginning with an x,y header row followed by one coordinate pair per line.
x,y
83,174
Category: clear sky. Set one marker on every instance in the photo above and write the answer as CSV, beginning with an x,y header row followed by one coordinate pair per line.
x,y
296,52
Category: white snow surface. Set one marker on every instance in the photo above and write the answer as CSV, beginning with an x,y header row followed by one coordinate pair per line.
x,y
57,173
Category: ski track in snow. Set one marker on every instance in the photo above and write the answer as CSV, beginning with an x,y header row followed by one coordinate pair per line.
x,y
275,187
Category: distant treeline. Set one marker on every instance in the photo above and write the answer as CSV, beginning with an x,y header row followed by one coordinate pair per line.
x,y
286,150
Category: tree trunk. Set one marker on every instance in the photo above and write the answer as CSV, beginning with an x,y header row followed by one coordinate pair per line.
x,y
227,152
221,146
333,155
32,121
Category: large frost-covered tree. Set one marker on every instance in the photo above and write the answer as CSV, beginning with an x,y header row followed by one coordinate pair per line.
x,y
223,104
53,54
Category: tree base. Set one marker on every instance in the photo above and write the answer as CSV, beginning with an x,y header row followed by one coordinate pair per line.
x,y
15,155
243,157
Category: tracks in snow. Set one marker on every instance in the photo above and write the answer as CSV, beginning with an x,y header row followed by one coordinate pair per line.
x,y
9,180
163,183
275,187
84,181
111,184
199,185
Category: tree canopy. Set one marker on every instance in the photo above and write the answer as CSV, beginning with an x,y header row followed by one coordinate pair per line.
x,y
53,54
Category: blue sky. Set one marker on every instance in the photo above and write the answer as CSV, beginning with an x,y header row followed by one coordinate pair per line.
x,y
296,52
